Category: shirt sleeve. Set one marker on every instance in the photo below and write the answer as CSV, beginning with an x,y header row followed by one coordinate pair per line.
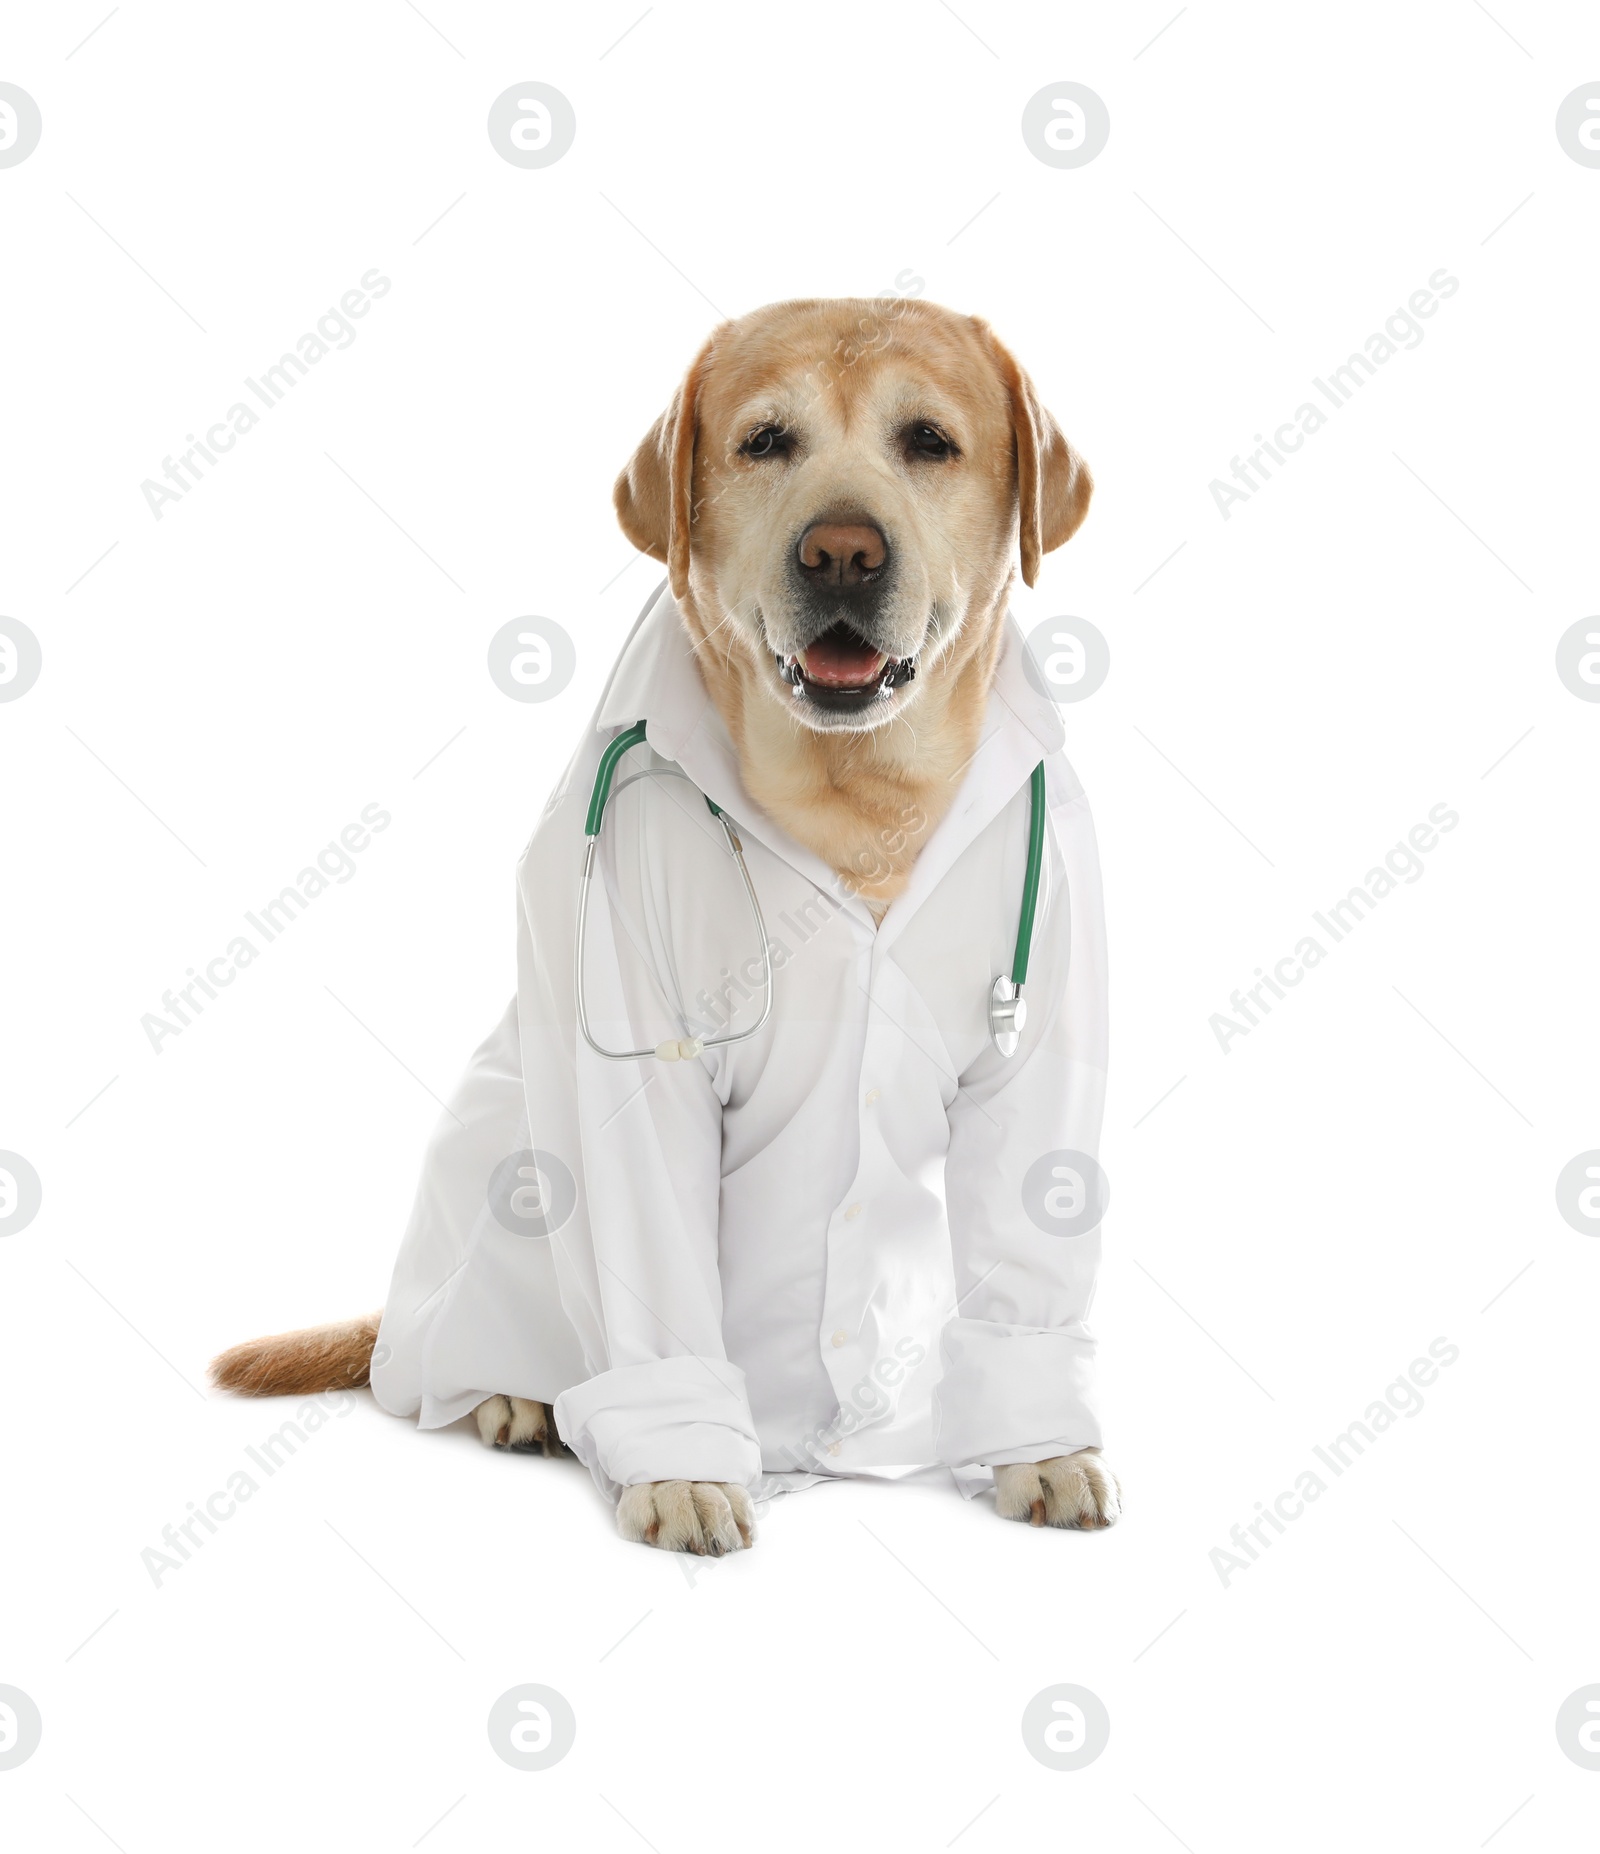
x,y
640,1141
1024,1191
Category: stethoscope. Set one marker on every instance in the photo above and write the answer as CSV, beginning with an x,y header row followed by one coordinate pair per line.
x,y
1008,1010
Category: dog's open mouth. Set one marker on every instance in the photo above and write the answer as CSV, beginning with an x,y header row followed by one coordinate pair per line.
x,y
840,670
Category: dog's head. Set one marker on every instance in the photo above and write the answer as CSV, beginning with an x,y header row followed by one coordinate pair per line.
x,y
838,489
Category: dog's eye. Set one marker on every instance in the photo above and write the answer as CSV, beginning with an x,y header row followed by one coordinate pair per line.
x,y
766,441
929,441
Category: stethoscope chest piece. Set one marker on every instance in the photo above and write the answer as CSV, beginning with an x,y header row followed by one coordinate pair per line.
x,y
1008,1013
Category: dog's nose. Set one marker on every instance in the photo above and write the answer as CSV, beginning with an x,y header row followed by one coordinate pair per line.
x,y
842,553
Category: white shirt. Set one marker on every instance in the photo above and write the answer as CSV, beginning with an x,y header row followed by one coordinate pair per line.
x,y
809,1252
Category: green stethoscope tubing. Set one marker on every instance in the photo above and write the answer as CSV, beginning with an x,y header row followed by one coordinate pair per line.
x,y
1030,881
1007,1011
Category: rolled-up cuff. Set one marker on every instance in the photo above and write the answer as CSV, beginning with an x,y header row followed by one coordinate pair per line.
x,y
674,1419
1005,1387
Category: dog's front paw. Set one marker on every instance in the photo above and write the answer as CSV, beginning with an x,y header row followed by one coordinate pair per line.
x,y
707,1518
1068,1490
517,1422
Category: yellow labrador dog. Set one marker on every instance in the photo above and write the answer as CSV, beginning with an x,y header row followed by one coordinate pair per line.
x,y
906,449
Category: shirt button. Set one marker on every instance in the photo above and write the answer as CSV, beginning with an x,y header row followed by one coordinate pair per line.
x,y
853,1212
840,1337
833,1448
872,1095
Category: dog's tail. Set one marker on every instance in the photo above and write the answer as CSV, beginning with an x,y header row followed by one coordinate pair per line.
x,y
318,1358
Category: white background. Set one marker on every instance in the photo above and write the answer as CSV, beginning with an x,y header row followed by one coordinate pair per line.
x,y
1291,1226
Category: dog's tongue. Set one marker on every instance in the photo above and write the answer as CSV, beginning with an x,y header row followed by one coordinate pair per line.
x,y
842,662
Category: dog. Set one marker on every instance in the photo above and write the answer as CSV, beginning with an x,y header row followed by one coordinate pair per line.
x,y
841,492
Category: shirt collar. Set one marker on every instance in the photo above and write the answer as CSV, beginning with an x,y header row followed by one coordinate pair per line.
x,y
656,679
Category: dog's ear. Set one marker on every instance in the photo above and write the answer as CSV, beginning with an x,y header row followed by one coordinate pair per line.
x,y
654,495
1053,481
